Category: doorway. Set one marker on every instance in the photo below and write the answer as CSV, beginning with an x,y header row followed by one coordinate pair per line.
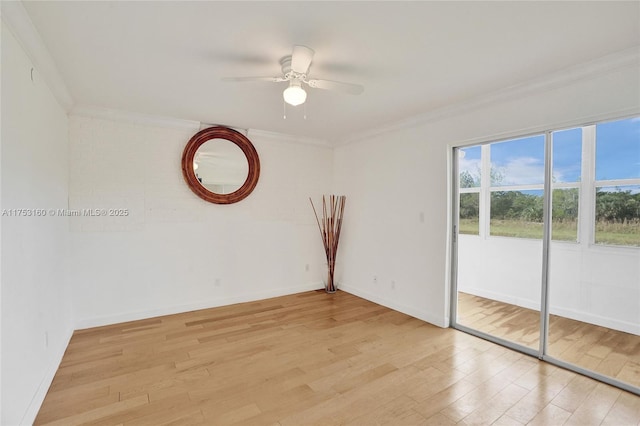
x,y
546,252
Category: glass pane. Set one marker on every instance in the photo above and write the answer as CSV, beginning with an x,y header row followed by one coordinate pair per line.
x,y
594,310
618,149
498,281
567,155
516,213
564,225
618,215
469,213
518,162
469,166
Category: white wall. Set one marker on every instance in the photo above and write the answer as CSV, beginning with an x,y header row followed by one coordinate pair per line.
x,y
395,222
36,299
391,178
176,252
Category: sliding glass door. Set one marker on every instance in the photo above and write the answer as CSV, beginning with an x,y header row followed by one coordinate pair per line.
x,y
500,239
546,253
594,267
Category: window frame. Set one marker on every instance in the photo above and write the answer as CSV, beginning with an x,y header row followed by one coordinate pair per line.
x,y
586,227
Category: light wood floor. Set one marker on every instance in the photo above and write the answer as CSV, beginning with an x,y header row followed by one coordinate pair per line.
x,y
314,358
606,351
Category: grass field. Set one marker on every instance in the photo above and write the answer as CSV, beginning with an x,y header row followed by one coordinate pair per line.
x,y
606,233
618,233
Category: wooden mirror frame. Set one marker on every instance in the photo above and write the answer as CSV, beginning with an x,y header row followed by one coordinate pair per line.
x,y
232,136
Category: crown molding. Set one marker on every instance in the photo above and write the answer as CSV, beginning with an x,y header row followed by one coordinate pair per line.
x,y
159,121
134,117
19,23
603,65
204,125
588,120
282,137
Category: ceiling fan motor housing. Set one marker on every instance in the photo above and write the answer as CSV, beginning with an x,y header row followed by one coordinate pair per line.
x,y
288,73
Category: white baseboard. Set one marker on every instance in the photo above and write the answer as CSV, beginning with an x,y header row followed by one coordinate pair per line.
x,y
612,323
176,309
38,397
416,313
504,298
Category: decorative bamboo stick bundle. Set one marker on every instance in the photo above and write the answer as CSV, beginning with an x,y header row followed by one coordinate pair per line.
x,y
330,225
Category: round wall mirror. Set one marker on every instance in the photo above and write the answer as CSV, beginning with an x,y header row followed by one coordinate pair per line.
x,y
220,165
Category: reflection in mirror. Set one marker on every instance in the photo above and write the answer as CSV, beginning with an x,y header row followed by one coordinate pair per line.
x,y
220,166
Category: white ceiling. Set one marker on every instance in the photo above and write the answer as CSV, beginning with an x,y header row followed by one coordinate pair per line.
x,y
168,58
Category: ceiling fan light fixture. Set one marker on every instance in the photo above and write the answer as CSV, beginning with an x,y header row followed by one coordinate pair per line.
x,y
294,94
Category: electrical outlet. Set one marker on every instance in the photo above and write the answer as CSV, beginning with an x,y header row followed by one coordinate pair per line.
x,y
375,279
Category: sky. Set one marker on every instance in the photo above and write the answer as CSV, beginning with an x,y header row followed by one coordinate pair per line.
x,y
618,149
521,161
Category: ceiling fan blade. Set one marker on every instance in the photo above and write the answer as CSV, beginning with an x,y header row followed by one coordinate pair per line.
x,y
352,89
271,79
301,59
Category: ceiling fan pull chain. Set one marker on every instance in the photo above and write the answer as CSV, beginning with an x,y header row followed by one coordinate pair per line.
x,y
305,110
284,110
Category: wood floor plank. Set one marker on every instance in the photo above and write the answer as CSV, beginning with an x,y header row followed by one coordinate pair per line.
x,y
595,407
550,415
625,411
319,359
538,397
399,411
495,407
88,414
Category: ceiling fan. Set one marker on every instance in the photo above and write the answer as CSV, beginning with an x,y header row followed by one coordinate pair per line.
x,y
295,68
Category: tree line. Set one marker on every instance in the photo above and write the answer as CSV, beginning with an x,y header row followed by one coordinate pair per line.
x,y
611,206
